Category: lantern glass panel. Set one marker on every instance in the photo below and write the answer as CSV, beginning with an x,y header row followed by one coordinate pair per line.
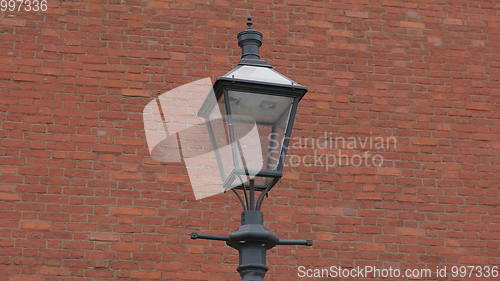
x,y
217,125
270,114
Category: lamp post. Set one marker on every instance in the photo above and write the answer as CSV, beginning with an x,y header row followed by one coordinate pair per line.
x,y
253,94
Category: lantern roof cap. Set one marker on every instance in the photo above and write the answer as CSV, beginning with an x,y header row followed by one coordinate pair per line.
x,y
260,74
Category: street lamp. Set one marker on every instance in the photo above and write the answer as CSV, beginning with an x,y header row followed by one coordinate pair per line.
x,y
253,95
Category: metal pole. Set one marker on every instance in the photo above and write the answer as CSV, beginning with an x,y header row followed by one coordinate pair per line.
x,y
252,240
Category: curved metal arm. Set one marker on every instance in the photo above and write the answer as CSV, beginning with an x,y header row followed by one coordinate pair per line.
x,y
196,235
265,193
239,199
295,242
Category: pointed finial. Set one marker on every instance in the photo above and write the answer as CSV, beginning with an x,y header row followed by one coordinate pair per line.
x,y
249,22
250,41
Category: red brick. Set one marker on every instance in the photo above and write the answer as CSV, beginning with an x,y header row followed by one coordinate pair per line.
x,y
13,22
341,75
26,77
347,46
410,231
82,156
304,43
340,33
453,21
36,225
9,196
370,247
104,237
410,24
396,3
368,196
173,178
389,171
126,176
424,141
480,106
158,4
136,93
126,211
50,32
356,14
107,148
150,275
53,271
221,23
26,278
126,247
132,211
131,141
318,23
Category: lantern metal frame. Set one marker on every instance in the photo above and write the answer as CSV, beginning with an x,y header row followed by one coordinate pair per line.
x,y
252,239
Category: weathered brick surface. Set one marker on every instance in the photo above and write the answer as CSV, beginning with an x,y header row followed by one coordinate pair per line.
x,y
80,198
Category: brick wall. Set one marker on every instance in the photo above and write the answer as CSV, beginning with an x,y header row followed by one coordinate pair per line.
x,y
81,199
